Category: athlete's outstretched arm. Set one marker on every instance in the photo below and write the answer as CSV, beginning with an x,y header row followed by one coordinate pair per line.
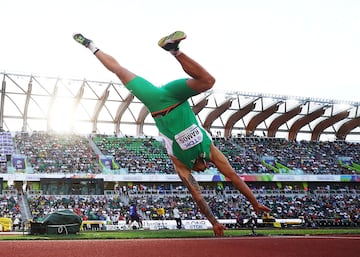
x,y
194,188
223,165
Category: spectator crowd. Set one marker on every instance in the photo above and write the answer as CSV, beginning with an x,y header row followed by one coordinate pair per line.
x,y
342,206
68,154
71,153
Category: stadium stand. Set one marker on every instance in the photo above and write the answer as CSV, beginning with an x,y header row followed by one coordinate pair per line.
x,y
55,153
98,175
6,150
336,208
137,155
317,203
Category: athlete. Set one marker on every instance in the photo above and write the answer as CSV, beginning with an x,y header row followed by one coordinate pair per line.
x,y
188,144
134,216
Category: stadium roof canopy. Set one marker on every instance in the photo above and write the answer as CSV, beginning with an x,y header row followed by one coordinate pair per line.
x,y
39,103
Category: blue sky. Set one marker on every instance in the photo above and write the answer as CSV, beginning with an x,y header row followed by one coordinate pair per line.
x,y
304,48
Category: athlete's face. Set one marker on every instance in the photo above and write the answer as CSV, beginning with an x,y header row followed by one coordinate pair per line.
x,y
200,165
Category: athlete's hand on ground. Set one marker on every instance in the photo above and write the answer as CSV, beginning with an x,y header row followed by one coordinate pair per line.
x,y
219,229
261,208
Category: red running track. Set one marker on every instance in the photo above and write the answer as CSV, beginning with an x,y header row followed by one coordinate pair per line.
x,y
310,246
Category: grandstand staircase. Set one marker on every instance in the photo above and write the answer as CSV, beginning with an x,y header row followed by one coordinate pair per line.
x,y
124,199
25,208
94,147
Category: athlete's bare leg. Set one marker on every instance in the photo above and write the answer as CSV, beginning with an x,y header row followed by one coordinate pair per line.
x,y
107,60
112,65
201,79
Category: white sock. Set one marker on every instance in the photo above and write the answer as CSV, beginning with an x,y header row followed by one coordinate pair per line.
x,y
93,47
175,52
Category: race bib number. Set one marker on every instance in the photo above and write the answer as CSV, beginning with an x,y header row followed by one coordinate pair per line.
x,y
189,137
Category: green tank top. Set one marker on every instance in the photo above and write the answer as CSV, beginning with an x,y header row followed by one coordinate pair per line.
x,y
185,139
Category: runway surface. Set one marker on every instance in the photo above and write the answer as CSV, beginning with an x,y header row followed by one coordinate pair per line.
x,y
272,246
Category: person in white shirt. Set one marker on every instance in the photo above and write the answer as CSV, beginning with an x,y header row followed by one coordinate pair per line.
x,y
177,217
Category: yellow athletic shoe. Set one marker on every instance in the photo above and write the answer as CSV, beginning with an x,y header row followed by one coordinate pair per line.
x,y
81,39
171,42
